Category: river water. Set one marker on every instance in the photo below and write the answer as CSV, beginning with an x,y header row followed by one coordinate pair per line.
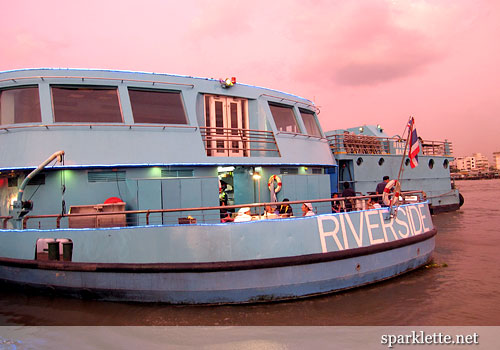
x,y
461,287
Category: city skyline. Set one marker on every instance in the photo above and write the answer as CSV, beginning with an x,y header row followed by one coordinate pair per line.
x,y
361,62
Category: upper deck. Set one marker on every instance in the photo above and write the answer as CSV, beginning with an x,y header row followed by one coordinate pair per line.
x,y
372,140
117,118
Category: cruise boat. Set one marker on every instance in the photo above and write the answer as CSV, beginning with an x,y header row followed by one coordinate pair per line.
x,y
366,154
151,187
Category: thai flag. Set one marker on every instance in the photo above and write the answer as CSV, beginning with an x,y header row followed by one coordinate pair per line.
x,y
414,144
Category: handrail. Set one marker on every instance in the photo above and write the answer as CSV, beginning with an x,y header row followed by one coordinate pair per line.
x,y
299,134
90,125
366,144
58,217
213,137
295,101
5,219
96,78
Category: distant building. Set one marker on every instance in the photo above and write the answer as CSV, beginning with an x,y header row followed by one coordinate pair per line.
x,y
496,159
475,162
482,162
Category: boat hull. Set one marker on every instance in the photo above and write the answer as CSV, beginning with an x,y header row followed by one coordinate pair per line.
x,y
236,282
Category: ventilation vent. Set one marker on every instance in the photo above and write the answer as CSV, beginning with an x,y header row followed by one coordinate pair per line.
x,y
177,173
106,176
290,171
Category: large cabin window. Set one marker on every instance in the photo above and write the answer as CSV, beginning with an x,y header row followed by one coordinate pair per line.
x,y
284,118
86,104
310,122
157,107
20,105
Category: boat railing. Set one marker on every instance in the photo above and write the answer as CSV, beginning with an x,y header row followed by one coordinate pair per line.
x,y
4,221
221,141
348,143
90,78
214,214
96,126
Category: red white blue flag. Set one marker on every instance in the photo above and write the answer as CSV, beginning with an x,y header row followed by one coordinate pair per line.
x,y
414,143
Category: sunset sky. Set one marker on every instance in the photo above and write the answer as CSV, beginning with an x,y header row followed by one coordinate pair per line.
x,y
361,62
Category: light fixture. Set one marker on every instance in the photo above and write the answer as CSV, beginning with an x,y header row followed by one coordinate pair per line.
x,y
228,82
256,176
361,129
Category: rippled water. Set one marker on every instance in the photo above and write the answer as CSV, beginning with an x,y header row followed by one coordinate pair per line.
x,y
461,288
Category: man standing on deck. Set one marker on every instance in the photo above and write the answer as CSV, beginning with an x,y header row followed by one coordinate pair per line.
x,y
381,187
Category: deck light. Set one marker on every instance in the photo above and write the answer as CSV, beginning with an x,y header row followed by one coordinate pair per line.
x,y
228,82
361,129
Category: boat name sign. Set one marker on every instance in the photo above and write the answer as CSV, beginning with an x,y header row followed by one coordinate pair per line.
x,y
359,229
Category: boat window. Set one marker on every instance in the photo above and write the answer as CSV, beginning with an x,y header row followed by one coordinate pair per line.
x,y
310,122
20,105
284,118
359,161
87,104
407,161
446,163
381,161
317,171
431,163
158,107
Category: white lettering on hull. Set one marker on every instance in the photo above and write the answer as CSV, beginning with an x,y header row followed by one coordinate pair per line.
x,y
364,228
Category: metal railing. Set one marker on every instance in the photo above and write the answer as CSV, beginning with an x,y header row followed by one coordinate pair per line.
x,y
96,125
214,214
220,141
82,79
364,144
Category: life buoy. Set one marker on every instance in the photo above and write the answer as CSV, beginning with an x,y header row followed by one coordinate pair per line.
x,y
273,178
387,190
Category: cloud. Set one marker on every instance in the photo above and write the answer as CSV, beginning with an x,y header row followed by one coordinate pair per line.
x,y
365,45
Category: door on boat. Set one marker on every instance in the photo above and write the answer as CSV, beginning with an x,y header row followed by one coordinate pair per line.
x,y
227,126
346,174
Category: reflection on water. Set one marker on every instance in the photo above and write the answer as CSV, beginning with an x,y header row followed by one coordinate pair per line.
x,y
463,292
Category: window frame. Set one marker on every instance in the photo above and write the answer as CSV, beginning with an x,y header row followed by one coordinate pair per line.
x,y
166,91
315,120
86,87
281,105
29,86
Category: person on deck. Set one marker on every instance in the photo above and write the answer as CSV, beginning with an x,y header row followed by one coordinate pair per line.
x,y
348,192
285,209
307,209
381,185
243,215
380,188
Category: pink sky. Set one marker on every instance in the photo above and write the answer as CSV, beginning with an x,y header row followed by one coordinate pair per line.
x,y
361,62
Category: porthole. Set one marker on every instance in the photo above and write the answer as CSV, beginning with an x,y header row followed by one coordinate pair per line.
x,y
446,163
407,161
431,163
359,161
381,161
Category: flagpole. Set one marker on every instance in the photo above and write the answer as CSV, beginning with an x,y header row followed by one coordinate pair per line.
x,y
401,168
410,130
